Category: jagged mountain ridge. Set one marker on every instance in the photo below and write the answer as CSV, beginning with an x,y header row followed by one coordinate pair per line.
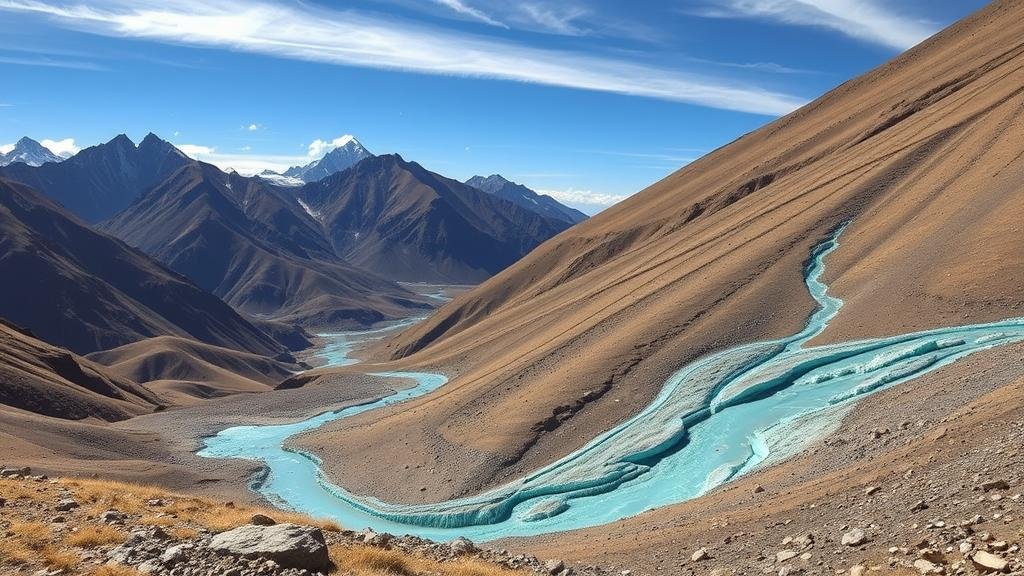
x,y
526,198
104,179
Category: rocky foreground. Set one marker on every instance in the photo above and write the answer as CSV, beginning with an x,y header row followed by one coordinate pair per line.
x,y
52,527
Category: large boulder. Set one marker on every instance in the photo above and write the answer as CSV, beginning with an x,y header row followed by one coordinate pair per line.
x,y
290,545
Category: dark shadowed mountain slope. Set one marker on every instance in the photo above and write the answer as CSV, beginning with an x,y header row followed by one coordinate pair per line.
x,y
525,198
255,246
101,180
28,151
407,223
44,379
86,291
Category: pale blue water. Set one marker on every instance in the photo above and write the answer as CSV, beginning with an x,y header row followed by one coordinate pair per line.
x,y
713,420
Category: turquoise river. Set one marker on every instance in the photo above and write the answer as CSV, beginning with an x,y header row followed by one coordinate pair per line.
x,y
714,419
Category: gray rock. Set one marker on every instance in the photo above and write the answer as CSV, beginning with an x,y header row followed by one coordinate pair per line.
x,y
554,566
783,555
175,554
987,562
854,537
289,545
66,504
927,567
462,545
111,516
700,554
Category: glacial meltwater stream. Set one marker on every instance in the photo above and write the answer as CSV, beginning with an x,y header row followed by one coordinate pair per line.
x,y
713,420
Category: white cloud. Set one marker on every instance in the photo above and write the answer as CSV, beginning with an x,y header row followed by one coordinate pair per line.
x,y
320,147
5,148
253,127
247,164
861,19
571,195
64,148
196,151
462,8
300,31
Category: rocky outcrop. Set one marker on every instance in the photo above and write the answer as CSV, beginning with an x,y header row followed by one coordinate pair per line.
x,y
290,545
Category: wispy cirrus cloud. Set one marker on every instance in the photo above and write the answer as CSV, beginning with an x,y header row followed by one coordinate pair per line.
x,y
865,20
300,31
460,7
48,62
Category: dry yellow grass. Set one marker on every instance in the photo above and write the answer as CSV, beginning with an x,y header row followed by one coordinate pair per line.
x,y
116,570
14,551
55,558
369,561
101,495
34,535
95,535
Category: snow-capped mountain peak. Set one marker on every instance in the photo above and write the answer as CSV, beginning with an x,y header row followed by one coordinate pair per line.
x,y
30,152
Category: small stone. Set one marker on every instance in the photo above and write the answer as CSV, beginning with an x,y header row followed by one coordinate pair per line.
x,y
918,506
66,505
701,554
554,566
871,490
783,555
965,547
758,489
925,567
262,520
858,570
9,472
987,562
111,516
995,485
854,537
462,545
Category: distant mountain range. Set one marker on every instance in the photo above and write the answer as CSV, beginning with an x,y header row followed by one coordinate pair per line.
x,y
326,253
406,223
526,198
102,180
255,246
28,151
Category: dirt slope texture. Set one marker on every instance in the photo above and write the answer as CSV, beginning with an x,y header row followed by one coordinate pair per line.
x,y
47,380
923,156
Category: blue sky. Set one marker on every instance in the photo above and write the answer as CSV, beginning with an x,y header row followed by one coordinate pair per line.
x,y
588,100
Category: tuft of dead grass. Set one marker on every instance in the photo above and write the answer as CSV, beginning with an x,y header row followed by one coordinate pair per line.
x,y
116,570
58,559
370,561
95,535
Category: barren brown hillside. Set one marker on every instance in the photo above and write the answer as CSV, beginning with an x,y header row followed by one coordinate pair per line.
x,y
923,155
